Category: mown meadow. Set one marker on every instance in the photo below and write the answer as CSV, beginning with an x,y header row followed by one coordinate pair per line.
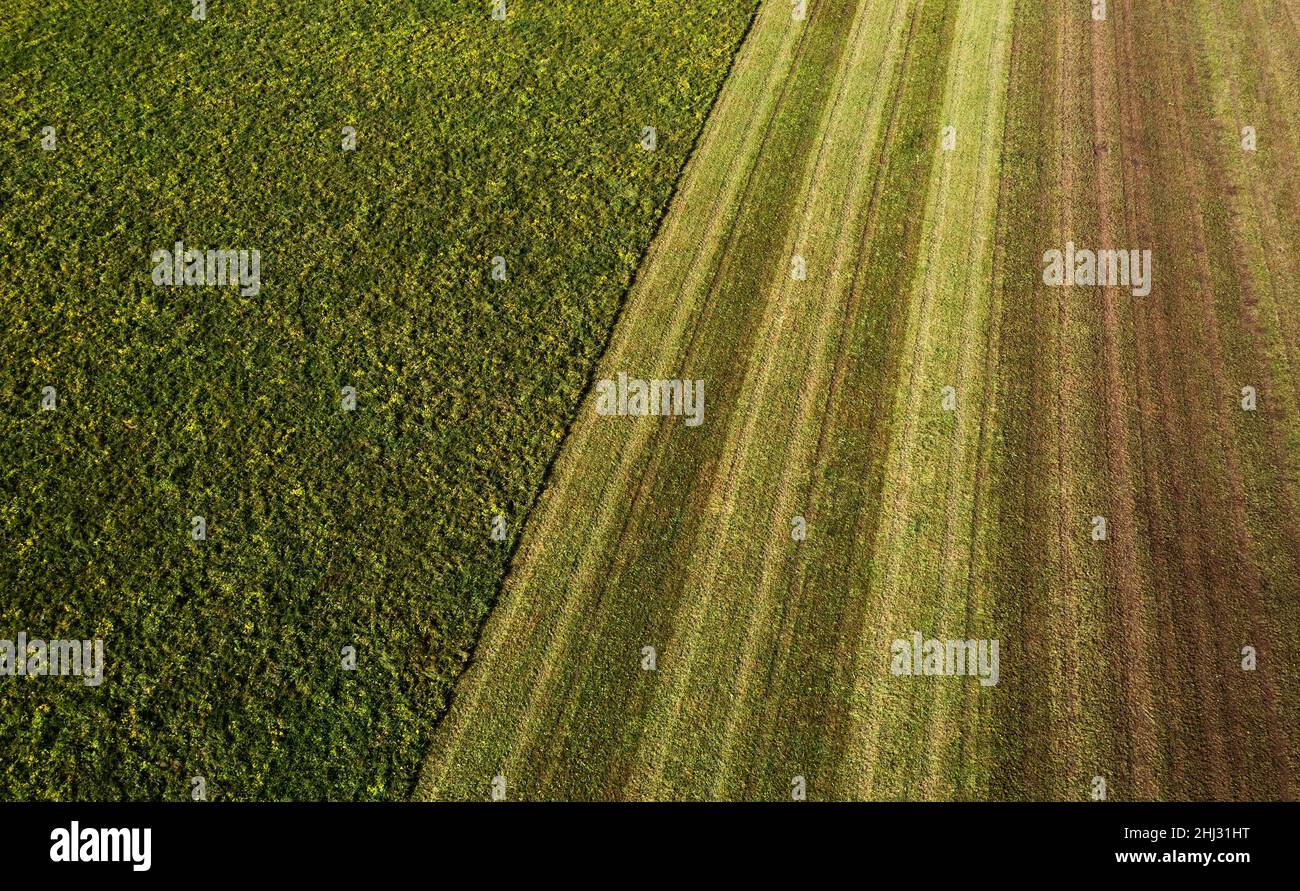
x,y
915,437
325,528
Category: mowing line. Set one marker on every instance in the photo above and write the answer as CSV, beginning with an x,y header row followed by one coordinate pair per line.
x,y
664,713
495,655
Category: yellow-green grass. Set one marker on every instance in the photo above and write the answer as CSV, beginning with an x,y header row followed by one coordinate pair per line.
x,y
1120,658
706,569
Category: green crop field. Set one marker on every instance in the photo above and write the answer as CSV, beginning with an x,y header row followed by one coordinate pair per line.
x,y
633,400
325,528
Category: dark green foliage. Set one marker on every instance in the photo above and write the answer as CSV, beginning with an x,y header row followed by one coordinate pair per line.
x,y
325,528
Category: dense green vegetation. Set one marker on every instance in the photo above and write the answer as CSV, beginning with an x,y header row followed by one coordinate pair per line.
x,y
325,528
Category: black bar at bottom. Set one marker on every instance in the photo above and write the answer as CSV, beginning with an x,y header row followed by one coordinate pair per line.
x,y
634,843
